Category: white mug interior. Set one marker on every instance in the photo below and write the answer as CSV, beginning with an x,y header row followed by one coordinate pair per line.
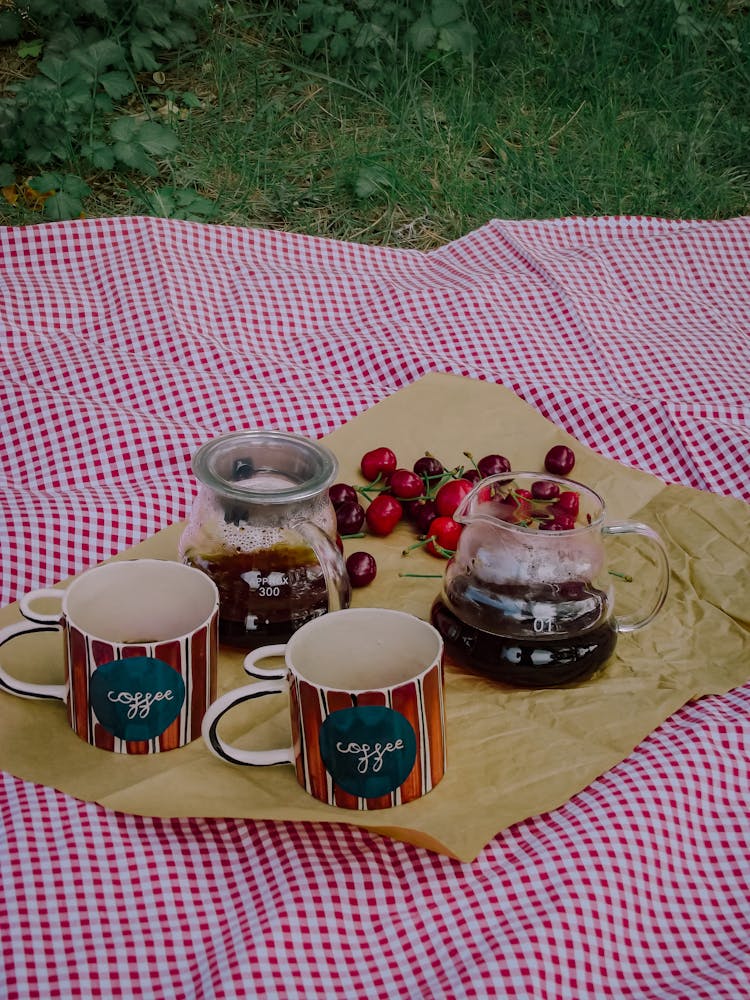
x,y
140,601
363,649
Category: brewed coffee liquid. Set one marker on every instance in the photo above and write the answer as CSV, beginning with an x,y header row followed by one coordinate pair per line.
x,y
542,660
265,596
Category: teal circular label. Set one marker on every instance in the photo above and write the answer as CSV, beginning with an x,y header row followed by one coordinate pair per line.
x,y
136,698
369,750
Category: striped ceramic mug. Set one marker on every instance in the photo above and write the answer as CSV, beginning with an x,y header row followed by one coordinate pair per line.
x,y
140,642
366,703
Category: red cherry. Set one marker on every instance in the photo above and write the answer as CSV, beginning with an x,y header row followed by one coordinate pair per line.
x,y
383,514
544,489
421,514
568,502
405,485
444,535
428,466
361,568
560,522
349,518
523,508
378,462
472,475
559,460
493,465
341,493
450,495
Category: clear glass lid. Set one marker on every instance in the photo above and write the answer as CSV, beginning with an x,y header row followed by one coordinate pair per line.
x,y
265,467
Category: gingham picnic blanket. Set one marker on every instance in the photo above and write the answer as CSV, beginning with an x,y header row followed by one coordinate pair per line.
x,y
127,343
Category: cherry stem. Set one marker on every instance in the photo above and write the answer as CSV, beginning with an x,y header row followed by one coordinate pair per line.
x,y
356,534
446,553
372,488
441,479
416,545
622,576
423,576
471,459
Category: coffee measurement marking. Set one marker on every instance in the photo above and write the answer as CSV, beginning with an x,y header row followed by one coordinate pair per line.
x,y
544,624
268,585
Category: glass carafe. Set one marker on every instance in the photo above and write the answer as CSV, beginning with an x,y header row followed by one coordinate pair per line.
x,y
263,528
528,599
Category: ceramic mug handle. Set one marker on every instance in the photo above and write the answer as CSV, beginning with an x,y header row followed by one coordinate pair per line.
x,y
629,623
275,684
36,621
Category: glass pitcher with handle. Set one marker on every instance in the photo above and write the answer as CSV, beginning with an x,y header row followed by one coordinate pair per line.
x,y
528,599
263,528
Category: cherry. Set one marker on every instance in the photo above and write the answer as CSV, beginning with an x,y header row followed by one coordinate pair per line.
x,y
378,462
492,465
444,535
450,495
383,514
559,460
350,516
429,496
522,499
429,467
341,493
361,568
544,489
568,502
422,513
405,485
560,522
566,522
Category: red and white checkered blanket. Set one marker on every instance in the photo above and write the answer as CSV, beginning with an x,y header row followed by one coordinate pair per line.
x,y
126,343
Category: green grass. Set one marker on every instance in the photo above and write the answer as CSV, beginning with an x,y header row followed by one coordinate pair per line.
x,y
568,108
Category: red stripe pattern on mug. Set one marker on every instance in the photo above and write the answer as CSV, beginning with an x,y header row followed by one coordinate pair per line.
x,y
419,704
188,657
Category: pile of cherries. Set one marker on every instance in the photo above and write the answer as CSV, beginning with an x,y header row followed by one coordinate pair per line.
x,y
428,495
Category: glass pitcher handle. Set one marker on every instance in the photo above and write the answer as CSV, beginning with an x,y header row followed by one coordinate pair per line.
x,y
331,562
629,623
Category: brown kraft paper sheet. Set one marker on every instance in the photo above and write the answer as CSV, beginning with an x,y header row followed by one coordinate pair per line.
x,y
512,753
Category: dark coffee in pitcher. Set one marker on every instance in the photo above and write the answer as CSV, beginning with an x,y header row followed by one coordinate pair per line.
x,y
556,633
264,595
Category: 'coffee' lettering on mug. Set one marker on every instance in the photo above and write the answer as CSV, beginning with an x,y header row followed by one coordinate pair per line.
x,y
370,754
139,702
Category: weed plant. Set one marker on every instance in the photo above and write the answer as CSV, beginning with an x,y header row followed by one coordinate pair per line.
x,y
411,124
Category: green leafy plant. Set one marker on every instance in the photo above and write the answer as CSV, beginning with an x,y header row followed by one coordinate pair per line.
x,y
84,109
63,194
371,35
176,203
